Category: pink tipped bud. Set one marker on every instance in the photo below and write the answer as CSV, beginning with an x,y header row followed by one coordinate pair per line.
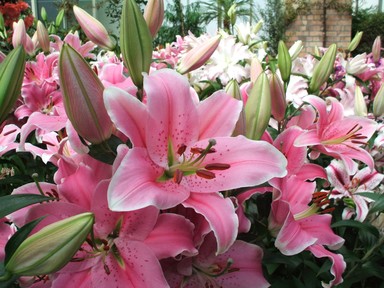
x,y
278,102
94,30
197,56
256,69
42,36
83,97
19,34
154,15
376,49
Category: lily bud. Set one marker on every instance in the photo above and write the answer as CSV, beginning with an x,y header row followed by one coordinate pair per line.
x,y
233,89
295,49
232,13
323,69
42,36
94,30
378,102
83,97
355,41
256,69
198,55
136,42
376,49
43,14
11,77
258,108
59,18
51,248
19,34
257,27
154,15
360,105
278,102
284,61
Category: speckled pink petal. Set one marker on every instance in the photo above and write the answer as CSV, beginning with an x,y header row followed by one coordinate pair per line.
x,y
174,116
127,113
218,115
251,163
134,185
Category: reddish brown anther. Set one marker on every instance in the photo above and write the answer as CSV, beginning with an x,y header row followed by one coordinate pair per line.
x,y
205,174
178,176
198,150
217,166
181,149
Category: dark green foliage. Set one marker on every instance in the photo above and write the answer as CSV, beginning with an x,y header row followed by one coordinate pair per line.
x,y
274,24
113,9
178,20
372,24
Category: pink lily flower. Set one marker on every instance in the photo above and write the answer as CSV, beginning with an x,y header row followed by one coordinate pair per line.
x,y
74,41
239,267
300,227
346,185
183,153
338,136
6,232
127,246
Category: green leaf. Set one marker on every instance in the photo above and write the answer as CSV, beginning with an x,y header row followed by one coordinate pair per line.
x,y
18,238
12,203
378,206
358,225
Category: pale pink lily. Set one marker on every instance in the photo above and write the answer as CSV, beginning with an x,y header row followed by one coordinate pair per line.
x,y
300,227
6,231
73,39
127,246
182,153
338,136
346,185
239,267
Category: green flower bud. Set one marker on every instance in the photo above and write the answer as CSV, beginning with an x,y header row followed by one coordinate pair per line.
x,y
136,42
59,18
51,248
83,97
233,89
323,69
258,108
43,14
355,41
11,77
360,105
284,61
378,102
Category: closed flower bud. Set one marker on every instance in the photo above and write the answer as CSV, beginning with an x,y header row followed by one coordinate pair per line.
x,y
284,61
233,89
19,34
278,102
154,15
258,108
378,102
295,49
323,69
83,97
257,27
355,41
51,248
232,13
198,55
42,36
376,49
11,77
94,30
256,69
360,105
136,42
43,14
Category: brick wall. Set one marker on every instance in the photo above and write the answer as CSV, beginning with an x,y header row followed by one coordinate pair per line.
x,y
321,27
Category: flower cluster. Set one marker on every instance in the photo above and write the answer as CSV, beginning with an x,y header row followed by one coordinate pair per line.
x,y
206,163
